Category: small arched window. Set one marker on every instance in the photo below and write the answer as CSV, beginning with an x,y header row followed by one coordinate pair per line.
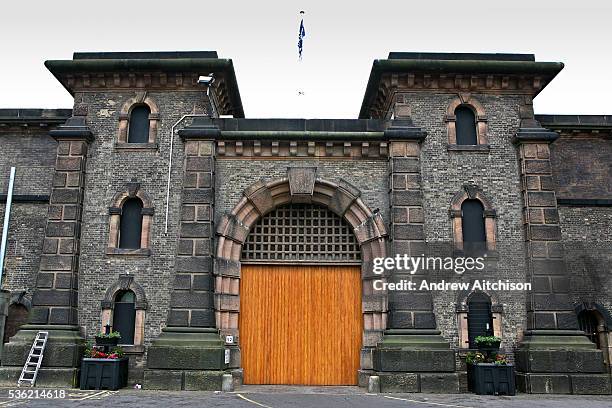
x,y
480,318
589,323
17,317
138,131
124,315
130,230
465,124
473,227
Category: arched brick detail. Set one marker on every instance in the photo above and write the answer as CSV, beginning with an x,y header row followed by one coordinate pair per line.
x,y
133,190
124,116
126,282
472,192
497,310
264,196
466,99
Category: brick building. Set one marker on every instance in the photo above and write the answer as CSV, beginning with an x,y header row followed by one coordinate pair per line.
x,y
223,245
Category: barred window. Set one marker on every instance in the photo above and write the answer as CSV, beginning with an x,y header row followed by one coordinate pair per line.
x,y
301,233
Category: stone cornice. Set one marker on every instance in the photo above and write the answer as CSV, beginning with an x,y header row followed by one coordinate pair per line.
x,y
514,77
151,74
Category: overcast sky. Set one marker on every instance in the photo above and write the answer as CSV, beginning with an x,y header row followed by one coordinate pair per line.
x,y
343,38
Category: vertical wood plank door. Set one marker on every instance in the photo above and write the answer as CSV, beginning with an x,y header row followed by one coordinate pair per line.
x,y
300,325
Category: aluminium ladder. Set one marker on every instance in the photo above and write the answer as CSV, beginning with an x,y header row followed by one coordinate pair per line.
x,y
34,360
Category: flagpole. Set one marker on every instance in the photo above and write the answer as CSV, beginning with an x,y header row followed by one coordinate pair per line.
x,y
301,95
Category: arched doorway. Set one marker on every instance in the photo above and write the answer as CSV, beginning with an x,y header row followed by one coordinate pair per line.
x,y
301,186
17,317
301,316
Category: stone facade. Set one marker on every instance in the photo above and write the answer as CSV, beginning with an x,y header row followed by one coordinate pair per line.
x,y
396,175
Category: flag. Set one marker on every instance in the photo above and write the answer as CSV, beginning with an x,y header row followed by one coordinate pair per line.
x,y
301,36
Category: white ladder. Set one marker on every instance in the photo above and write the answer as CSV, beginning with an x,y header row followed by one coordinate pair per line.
x,y
34,360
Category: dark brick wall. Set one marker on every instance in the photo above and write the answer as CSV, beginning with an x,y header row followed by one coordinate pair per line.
x,y
497,173
587,239
582,166
26,234
235,175
108,172
32,152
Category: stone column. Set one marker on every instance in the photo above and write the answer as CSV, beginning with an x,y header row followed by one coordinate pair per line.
x,y
55,300
412,356
554,356
189,354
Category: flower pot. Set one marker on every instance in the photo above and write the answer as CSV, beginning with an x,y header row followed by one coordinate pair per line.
x,y
107,341
492,379
104,373
489,348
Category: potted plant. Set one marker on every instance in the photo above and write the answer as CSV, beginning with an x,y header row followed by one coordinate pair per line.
x,y
489,372
488,344
103,369
108,339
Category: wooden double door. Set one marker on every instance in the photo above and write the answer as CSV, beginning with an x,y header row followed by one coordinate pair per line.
x,y
300,325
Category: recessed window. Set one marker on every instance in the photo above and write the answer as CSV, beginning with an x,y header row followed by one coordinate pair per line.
x,y
124,315
138,131
589,322
465,123
130,230
480,318
473,226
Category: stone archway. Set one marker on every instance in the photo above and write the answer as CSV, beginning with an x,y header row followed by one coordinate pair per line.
x,y
300,186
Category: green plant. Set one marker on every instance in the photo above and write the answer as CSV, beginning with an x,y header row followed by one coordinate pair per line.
x,y
111,335
487,340
501,359
474,357
93,352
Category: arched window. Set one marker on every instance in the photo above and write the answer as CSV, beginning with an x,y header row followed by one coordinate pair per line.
x,y
465,124
130,230
473,227
589,323
17,317
479,317
138,131
124,315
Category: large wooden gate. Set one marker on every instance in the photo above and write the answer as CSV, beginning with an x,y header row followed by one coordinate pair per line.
x,y
300,324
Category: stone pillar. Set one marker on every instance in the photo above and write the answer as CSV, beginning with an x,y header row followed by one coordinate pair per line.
x,y
189,354
55,300
412,356
554,356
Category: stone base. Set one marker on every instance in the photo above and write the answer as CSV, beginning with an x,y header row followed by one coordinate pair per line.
x,y
183,380
47,377
560,362
433,383
61,357
413,351
185,358
186,348
557,383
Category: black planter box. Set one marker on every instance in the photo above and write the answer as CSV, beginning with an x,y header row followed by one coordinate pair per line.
x,y
491,379
104,373
106,341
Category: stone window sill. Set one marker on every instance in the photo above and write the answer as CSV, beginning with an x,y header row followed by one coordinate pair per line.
x,y
135,146
485,148
488,254
128,252
133,348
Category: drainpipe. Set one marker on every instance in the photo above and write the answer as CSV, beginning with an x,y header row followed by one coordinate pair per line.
x,y
5,295
7,216
172,132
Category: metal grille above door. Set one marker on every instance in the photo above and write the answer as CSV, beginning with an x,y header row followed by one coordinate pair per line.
x,y
301,233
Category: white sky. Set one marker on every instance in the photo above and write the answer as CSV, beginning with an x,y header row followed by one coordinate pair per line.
x,y
343,38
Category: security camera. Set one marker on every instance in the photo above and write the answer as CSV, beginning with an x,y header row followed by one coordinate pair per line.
x,y
206,79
